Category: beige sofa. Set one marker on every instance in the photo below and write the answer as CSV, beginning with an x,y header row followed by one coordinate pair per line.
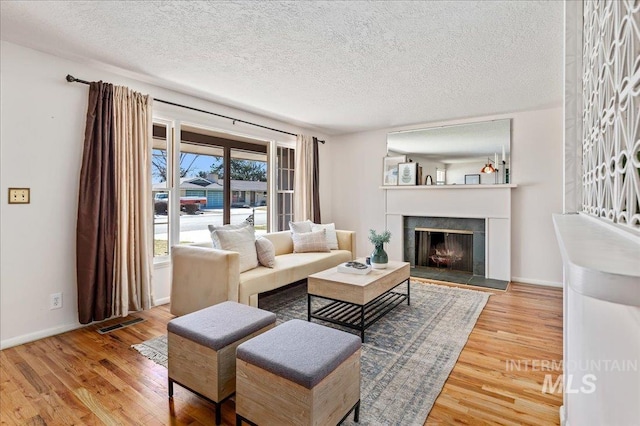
x,y
203,276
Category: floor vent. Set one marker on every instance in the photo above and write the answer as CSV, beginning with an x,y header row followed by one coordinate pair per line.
x,y
109,329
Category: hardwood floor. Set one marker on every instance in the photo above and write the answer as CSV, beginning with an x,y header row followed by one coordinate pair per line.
x,y
522,324
84,378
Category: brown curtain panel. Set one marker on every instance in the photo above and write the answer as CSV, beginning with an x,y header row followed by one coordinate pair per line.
x,y
315,191
96,226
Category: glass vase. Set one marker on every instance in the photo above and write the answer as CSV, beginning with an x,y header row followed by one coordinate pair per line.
x,y
379,258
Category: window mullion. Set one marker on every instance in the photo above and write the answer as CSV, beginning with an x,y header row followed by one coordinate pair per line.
x,y
174,186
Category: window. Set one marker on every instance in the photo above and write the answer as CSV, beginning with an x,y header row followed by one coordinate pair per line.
x,y
160,189
201,188
249,188
284,187
191,189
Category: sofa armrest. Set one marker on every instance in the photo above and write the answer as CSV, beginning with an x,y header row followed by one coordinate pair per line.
x,y
347,241
202,277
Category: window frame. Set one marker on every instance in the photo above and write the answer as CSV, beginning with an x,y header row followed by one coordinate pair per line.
x,y
168,124
277,190
174,126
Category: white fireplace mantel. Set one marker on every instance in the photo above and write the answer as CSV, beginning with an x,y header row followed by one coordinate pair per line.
x,y
436,187
489,202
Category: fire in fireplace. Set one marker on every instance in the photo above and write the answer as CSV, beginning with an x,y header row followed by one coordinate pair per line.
x,y
444,248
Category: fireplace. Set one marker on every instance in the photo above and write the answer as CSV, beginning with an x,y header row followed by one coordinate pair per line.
x,y
446,244
444,248
483,209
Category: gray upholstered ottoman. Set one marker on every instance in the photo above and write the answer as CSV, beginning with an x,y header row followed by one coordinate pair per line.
x,y
298,373
202,348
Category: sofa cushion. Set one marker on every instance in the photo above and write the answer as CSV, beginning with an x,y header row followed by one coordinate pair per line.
x,y
281,240
289,268
310,241
332,238
266,252
300,227
243,241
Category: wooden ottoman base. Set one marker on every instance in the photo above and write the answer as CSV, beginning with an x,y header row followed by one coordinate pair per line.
x,y
209,373
266,398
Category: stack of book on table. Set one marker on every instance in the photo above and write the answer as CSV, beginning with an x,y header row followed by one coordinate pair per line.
x,y
354,268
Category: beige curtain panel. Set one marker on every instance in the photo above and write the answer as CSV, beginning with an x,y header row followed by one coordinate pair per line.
x,y
133,250
303,181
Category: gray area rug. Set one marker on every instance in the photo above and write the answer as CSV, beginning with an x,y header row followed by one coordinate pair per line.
x,y
407,356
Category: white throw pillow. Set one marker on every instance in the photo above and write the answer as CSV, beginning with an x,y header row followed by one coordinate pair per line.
x,y
300,227
310,242
266,252
332,238
214,228
242,240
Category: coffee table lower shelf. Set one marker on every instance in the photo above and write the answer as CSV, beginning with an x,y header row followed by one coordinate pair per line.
x,y
356,316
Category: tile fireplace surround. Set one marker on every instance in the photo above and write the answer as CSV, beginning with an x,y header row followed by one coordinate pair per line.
x,y
476,226
491,203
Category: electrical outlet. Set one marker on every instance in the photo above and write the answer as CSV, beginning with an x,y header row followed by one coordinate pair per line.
x,y
19,195
55,301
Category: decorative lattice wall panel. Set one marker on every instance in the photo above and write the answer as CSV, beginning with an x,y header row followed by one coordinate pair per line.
x,y
611,116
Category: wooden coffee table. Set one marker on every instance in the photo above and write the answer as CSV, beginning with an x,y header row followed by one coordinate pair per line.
x,y
358,301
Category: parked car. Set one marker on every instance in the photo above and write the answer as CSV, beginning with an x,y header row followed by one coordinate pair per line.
x,y
190,205
240,206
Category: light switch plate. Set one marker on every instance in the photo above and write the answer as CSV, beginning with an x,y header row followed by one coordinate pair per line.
x,y
19,195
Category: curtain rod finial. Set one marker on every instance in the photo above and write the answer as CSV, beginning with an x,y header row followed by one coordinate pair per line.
x,y
70,78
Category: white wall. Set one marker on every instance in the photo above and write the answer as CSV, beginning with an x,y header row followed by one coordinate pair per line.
x,y
536,159
42,133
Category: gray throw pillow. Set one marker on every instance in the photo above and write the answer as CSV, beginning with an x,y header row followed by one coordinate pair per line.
x,y
310,242
266,252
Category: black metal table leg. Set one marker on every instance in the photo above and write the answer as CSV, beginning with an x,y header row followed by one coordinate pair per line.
x,y
362,323
356,413
218,413
356,316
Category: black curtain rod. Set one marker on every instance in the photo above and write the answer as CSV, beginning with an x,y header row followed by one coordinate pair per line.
x,y
72,79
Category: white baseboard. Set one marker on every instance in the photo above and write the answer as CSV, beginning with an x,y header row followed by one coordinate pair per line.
x,y
161,301
536,282
41,334
26,338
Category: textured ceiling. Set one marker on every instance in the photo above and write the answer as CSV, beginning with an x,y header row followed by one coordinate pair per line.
x,y
337,66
